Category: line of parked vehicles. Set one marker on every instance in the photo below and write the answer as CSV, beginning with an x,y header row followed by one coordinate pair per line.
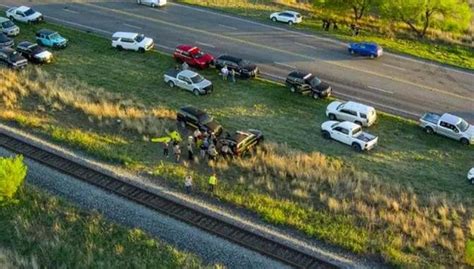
x,y
346,119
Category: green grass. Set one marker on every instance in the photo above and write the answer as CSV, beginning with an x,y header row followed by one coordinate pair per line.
x,y
42,231
433,166
452,54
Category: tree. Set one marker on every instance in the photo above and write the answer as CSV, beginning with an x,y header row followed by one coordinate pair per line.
x,y
420,15
357,7
12,175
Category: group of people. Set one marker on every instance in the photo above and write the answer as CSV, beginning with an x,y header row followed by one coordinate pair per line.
x,y
188,183
226,73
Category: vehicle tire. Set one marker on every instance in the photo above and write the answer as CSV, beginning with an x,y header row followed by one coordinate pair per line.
x,y
153,5
464,141
372,56
358,123
472,181
171,84
332,117
326,135
293,89
141,50
352,52
196,92
290,23
119,47
356,147
429,130
315,96
274,19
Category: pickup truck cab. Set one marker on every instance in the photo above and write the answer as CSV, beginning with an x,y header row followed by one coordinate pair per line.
x,y
448,125
152,3
350,134
8,27
470,175
195,118
49,38
24,14
307,83
188,80
352,111
193,56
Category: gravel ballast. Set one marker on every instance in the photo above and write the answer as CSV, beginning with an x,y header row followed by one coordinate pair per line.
x,y
210,248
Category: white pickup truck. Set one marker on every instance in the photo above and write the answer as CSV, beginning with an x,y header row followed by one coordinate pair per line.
x,y
470,175
349,133
24,14
448,125
188,80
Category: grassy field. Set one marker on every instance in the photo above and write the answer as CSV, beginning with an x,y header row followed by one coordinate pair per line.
x,y
453,54
41,231
408,200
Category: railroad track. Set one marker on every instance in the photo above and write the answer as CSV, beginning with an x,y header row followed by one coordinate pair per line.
x,y
247,239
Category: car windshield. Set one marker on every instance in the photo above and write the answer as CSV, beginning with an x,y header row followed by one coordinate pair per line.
x,y
7,24
244,63
356,131
29,12
54,36
198,54
139,37
314,81
197,78
205,118
463,125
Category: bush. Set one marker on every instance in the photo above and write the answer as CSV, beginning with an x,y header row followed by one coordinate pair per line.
x,y
12,175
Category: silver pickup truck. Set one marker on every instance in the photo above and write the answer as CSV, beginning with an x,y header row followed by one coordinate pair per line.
x,y
448,125
188,80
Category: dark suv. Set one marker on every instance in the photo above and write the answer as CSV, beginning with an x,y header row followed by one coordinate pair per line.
x,y
305,83
242,141
198,119
12,58
243,68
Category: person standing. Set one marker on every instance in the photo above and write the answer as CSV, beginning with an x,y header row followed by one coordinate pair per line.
x,y
177,152
190,152
212,152
188,183
197,135
185,66
224,72
204,147
166,149
232,75
212,182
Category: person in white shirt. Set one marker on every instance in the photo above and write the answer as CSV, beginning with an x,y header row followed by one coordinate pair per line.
x,y
225,72
188,183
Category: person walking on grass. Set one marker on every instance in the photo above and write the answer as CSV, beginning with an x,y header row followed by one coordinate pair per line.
x,y
224,72
232,75
188,183
212,182
177,151
166,149
190,152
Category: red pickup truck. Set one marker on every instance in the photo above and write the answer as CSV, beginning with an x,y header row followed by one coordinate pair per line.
x,y
193,56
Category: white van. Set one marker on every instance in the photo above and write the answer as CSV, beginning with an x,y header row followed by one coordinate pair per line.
x,y
152,3
132,41
351,111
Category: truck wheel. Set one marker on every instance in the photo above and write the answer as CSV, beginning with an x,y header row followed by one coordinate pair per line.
x,y
372,56
292,89
274,19
332,117
472,181
196,92
356,147
290,23
351,51
464,141
119,47
141,50
326,135
171,84
429,130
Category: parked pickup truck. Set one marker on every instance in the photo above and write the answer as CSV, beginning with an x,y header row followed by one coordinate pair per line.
x,y
448,125
349,133
470,175
188,80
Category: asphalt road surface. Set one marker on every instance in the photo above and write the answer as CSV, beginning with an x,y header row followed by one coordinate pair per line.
x,y
393,83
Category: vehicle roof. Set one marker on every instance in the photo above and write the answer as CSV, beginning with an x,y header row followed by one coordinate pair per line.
x,y
239,136
193,110
300,74
449,118
230,58
3,19
291,12
188,73
26,44
357,106
22,8
45,31
125,34
187,47
7,50
372,44
348,125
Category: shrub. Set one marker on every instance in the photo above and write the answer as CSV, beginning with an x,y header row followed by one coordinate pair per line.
x,y
12,175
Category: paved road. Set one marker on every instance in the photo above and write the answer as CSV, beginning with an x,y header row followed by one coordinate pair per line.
x,y
393,83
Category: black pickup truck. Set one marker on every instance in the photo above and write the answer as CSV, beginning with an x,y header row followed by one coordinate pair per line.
x,y
195,118
12,58
307,83
241,142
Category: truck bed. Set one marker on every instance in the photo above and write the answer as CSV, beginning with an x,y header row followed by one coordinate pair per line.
x,y
431,117
172,73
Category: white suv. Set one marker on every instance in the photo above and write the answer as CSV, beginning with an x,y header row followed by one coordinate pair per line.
x,y
351,111
289,17
132,41
152,3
